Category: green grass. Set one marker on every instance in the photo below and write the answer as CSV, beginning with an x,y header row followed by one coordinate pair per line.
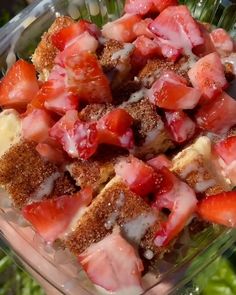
x,y
15,281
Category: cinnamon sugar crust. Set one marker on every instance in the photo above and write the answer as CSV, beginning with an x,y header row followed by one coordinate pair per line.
x,y
22,171
45,53
117,203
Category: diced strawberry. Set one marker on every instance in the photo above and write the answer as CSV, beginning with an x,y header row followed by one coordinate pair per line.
x,y
182,203
141,28
78,139
19,85
52,217
68,35
36,125
50,153
81,139
207,75
121,267
114,128
160,5
141,178
117,121
176,24
122,29
219,115
226,149
141,7
171,93
148,48
207,47
180,126
86,79
219,208
159,162
55,97
84,42
222,41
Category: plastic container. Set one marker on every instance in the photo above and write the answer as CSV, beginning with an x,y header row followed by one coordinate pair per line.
x,y
53,265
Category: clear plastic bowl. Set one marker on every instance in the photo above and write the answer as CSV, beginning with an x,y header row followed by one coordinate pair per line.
x,y
53,265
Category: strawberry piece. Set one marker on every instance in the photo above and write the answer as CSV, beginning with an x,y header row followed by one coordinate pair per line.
x,y
122,29
84,42
78,139
207,75
19,85
55,97
138,176
86,79
160,5
219,115
141,28
36,125
81,139
176,24
171,93
222,41
52,217
226,149
220,208
69,35
159,162
120,265
141,178
207,47
148,48
180,126
143,7
182,203
117,121
51,153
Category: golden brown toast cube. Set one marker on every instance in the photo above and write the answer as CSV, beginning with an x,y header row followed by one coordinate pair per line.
x,y
45,53
115,206
194,165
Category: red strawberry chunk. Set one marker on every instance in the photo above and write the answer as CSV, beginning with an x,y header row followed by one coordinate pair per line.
x,y
180,126
138,175
141,178
148,48
171,93
176,24
36,125
182,203
207,75
55,97
19,86
81,139
219,115
52,217
141,28
222,41
69,35
219,209
122,29
163,4
159,162
226,149
121,267
141,7
86,79
84,42
51,153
